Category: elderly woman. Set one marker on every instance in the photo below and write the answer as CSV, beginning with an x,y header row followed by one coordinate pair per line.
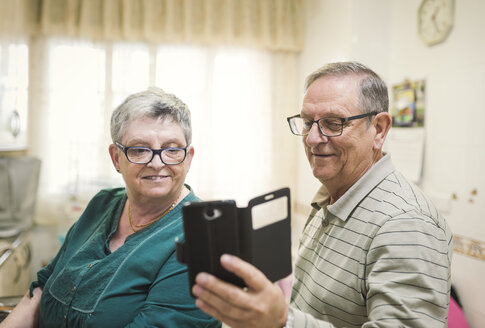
x,y
117,266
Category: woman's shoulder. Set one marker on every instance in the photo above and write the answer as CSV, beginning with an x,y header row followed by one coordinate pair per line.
x,y
111,192
106,196
104,202
191,197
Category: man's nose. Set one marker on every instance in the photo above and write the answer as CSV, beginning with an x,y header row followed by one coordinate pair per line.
x,y
315,136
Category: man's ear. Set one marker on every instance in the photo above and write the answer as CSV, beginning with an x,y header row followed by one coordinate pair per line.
x,y
382,123
115,156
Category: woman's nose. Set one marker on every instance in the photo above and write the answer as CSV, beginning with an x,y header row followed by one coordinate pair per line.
x,y
156,161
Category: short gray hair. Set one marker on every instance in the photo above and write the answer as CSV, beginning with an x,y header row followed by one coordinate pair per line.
x,y
154,103
373,96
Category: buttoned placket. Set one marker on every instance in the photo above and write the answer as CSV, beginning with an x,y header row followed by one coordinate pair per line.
x,y
74,290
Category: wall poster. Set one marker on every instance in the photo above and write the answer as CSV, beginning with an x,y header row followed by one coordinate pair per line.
x,y
408,103
405,141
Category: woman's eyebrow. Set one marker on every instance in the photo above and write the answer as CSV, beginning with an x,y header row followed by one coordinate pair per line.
x,y
146,144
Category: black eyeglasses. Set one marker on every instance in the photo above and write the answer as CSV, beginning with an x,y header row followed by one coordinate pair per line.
x,y
328,126
144,155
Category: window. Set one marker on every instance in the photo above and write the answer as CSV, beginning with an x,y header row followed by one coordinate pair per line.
x,y
241,126
227,90
75,118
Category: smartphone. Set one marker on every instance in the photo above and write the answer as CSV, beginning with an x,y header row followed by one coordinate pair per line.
x,y
211,229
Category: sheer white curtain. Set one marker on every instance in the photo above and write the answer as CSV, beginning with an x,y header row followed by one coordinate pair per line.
x,y
229,93
235,95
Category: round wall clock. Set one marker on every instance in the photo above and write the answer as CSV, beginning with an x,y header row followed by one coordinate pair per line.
x,y
435,20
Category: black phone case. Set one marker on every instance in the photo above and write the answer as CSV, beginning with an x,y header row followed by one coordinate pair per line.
x,y
213,228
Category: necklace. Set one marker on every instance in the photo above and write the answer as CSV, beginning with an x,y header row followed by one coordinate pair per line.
x,y
137,227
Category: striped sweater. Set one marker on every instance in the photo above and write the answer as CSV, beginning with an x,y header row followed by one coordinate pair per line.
x,y
378,257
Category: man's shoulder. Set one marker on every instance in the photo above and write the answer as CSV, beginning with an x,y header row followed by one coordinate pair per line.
x,y
399,195
397,204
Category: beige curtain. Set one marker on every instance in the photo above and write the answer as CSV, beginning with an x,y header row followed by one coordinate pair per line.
x,y
268,24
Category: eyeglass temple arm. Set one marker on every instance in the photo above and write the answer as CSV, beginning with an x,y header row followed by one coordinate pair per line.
x,y
356,117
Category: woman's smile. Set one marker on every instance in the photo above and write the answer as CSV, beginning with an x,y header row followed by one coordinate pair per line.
x,y
155,177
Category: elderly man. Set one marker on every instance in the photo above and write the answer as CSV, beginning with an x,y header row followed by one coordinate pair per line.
x,y
374,252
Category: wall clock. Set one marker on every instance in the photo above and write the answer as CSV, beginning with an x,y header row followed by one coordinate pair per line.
x,y
435,20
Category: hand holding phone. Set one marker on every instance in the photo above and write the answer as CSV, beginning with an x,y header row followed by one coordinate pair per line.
x,y
259,234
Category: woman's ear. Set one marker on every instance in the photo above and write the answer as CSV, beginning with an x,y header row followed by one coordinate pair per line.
x,y
382,123
115,156
190,155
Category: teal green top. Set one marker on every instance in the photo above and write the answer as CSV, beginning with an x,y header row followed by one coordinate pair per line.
x,y
141,284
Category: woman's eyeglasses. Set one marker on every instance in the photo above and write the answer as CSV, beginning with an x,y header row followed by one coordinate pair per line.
x,y
144,155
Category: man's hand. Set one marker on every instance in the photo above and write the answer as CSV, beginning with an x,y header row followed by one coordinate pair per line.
x,y
261,304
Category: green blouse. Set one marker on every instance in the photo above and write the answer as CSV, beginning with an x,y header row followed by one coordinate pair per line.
x,y
141,284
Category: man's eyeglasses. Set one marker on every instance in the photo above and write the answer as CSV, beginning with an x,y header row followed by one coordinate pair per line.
x,y
328,126
144,155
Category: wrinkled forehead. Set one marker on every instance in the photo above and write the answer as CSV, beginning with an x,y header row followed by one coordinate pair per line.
x,y
148,121
146,129
331,95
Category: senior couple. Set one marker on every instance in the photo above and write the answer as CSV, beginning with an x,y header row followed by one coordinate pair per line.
x,y
374,252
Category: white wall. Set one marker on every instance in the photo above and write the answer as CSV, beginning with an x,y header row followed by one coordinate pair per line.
x,y
383,35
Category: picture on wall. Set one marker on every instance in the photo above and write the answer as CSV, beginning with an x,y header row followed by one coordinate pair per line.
x,y
408,103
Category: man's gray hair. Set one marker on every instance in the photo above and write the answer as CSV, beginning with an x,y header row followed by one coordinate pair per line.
x,y
154,103
373,96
